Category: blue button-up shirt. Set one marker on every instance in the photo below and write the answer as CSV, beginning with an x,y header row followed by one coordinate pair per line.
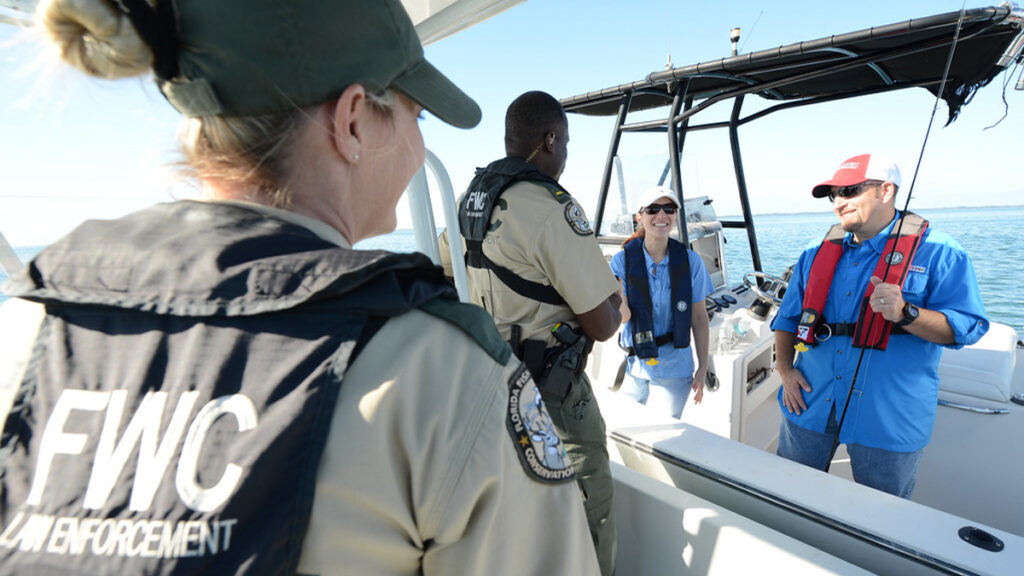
x,y
895,396
671,362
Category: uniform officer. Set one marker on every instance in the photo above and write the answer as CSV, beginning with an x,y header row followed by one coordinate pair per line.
x,y
225,387
534,265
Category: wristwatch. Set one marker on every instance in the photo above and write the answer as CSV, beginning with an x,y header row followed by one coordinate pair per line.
x,y
910,313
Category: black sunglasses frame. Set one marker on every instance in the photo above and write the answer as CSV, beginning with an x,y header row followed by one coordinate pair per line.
x,y
852,191
652,209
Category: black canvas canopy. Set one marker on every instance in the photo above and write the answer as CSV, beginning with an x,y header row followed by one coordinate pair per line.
x,y
894,56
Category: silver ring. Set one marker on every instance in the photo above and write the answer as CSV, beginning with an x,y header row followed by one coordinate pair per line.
x,y
881,301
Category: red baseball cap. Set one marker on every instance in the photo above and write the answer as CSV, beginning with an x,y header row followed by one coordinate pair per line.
x,y
860,169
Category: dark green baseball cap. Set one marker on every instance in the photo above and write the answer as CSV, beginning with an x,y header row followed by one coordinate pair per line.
x,y
249,57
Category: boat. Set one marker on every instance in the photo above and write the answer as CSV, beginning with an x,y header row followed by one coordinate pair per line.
x,y
706,494
725,502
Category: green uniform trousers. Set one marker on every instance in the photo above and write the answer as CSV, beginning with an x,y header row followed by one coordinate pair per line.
x,y
578,422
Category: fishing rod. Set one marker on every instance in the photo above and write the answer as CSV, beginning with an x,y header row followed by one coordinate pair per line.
x,y
899,229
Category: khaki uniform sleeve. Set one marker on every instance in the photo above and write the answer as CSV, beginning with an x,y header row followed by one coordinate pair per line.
x,y
421,475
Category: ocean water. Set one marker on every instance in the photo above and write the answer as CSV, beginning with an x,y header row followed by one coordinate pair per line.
x,y
988,234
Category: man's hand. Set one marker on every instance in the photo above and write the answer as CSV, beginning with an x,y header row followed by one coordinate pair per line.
x,y
887,300
792,379
792,382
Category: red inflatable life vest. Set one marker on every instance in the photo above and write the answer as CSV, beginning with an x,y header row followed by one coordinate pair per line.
x,y
872,329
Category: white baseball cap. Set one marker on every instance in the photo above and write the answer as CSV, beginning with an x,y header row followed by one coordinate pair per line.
x,y
651,195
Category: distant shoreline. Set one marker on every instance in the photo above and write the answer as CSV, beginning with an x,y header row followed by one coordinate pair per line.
x,y
925,209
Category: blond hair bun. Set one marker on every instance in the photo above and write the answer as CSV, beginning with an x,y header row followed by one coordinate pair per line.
x,y
93,36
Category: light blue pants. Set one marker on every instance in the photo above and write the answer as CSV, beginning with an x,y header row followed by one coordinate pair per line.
x,y
666,395
892,472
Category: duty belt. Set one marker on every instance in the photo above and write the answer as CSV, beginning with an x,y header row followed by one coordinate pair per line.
x,y
826,330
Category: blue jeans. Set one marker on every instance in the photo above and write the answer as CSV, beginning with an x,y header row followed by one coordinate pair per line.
x,y
666,395
885,470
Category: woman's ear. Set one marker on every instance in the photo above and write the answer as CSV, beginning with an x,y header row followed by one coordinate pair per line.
x,y
351,114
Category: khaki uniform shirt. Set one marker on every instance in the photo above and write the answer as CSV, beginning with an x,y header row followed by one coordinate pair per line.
x,y
544,241
419,473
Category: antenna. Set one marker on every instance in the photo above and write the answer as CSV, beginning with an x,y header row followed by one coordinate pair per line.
x,y
752,28
668,24
734,35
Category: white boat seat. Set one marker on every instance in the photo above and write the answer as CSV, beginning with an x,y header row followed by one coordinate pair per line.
x,y
984,369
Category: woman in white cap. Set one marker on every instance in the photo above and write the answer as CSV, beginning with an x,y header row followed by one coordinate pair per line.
x,y
664,286
224,386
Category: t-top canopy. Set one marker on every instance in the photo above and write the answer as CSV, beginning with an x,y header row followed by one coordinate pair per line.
x,y
901,55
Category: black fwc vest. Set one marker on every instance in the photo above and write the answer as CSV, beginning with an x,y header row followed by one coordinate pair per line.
x,y
476,206
176,404
645,343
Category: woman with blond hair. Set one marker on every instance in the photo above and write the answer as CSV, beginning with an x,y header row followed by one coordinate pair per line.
x,y
664,286
225,386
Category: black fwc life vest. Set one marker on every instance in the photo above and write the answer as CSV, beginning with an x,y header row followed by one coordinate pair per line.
x,y
872,330
175,407
645,343
476,207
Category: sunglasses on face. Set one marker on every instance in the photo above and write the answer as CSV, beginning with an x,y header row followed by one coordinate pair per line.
x,y
850,191
652,209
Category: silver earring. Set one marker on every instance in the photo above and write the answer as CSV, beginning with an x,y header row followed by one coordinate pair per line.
x,y
356,157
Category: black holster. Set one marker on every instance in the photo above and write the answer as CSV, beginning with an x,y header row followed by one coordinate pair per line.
x,y
554,368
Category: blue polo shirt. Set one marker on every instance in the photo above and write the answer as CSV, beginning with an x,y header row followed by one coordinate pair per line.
x,y
672,362
894,400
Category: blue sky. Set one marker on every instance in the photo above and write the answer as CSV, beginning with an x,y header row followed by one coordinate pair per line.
x,y
73,148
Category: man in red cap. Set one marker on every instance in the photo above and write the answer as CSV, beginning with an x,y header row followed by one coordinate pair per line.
x,y
882,281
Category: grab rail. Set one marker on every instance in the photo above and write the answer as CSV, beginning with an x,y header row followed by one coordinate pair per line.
x,y
424,228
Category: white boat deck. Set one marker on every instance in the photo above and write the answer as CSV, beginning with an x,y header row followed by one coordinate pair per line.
x,y
860,525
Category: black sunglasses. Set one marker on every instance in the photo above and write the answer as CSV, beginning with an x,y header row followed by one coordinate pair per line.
x,y
652,209
851,191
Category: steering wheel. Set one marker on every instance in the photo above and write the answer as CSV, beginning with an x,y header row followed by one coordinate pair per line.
x,y
776,286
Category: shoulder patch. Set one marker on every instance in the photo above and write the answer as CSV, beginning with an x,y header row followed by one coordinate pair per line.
x,y
539,448
577,219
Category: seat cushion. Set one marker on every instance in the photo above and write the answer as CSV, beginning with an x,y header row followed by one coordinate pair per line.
x,y
984,369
